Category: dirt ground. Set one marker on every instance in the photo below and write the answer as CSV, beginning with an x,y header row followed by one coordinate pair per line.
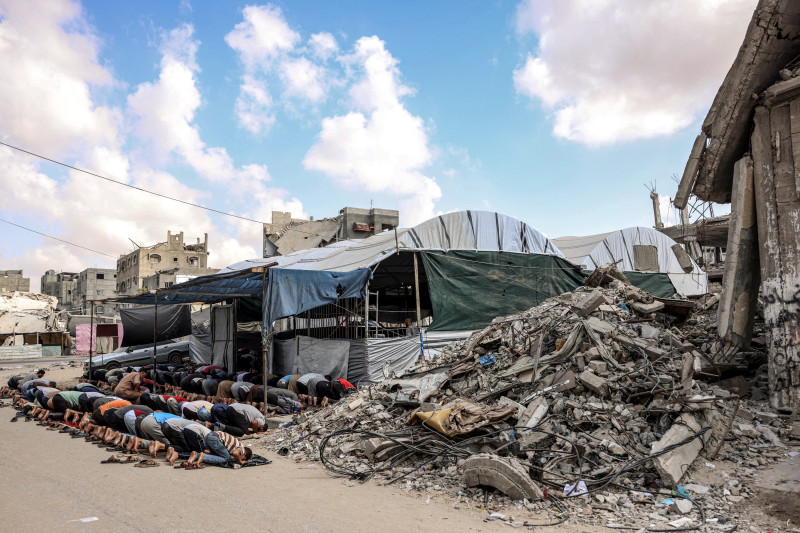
x,y
56,480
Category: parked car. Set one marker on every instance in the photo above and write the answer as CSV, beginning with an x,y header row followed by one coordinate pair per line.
x,y
166,352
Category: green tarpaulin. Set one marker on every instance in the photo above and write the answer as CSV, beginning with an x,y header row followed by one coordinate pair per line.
x,y
655,283
469,289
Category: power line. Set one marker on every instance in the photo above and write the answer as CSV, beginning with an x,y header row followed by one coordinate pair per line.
x,y
131,186
57,239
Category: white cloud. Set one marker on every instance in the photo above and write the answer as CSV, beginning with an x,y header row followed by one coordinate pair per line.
x,y
323,45
269,50
261,36
54,47
303,79
165,111
380,147
627,69
254,106
50,63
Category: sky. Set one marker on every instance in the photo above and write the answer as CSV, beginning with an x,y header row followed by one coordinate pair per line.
x,y
562,113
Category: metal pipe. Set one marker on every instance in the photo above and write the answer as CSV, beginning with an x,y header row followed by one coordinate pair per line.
x,y
155,336
91,340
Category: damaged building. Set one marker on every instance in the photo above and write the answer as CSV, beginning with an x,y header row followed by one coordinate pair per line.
x,y
13,280
286,234
146,261
748,155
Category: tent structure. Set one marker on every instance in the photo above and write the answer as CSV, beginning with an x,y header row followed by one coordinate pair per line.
x,y
454,273
650,259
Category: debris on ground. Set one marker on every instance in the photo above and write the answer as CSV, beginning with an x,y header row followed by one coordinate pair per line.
x,y
604,405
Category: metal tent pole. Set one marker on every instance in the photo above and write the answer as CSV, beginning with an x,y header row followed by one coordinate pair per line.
x,y
264,340
416,293
155,337
91,340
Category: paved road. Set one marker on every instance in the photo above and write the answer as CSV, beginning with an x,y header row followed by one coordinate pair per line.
x,y
41,360
53,480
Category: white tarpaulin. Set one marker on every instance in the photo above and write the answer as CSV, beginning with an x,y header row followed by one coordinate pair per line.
x,y
618,247
461,230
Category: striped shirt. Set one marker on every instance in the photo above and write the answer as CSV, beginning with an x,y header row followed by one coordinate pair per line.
x,y
305,377
229,441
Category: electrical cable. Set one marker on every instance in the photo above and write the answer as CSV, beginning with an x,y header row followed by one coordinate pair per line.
x,y
56,238
131,186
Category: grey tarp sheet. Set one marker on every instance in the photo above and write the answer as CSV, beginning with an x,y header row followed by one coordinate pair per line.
x,y
200,349
367,357
223,331
137,324
324,356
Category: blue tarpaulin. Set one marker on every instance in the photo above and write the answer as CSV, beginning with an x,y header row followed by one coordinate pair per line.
x,y
290,292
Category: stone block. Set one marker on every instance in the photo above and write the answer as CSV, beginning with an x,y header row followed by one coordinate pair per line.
x,y
594,383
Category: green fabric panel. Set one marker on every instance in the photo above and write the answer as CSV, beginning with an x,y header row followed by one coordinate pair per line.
x,y
655,283
469,289
249,310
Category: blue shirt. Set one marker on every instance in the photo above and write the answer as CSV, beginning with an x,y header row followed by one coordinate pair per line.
x,y
161,417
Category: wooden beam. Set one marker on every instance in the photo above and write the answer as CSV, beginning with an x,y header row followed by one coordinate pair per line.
x,y
416,289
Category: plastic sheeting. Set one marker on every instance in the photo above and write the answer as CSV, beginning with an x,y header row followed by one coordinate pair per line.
x,y
223,332
323,356
173,321
469,289
367,357
83,339
593,251
656,284
200,349
461,230
290,292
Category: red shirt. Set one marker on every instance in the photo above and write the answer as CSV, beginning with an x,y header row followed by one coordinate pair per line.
x,y
346,384
179,399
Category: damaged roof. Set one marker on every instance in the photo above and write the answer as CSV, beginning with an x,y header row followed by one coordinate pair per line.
x,y
772,41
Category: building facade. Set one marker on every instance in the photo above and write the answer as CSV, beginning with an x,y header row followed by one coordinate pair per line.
x,y
13,280
61,285
286,234
164,279
144,262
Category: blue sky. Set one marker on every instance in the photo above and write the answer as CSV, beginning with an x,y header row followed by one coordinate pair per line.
x,y
556,113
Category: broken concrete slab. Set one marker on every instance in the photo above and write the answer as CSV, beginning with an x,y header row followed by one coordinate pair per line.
x,y
681,506
518,408
673,465
534,413
647,309
503,473
594,383
589,304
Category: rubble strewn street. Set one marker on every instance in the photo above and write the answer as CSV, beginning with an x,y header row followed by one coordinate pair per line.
x,y
600,406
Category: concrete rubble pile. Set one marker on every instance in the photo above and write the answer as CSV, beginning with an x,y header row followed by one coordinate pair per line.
x,y
603,403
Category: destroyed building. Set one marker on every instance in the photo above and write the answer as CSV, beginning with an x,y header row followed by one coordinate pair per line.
x,y
74,291
748,154
62,286
146,261
13,280
286,234
166,278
